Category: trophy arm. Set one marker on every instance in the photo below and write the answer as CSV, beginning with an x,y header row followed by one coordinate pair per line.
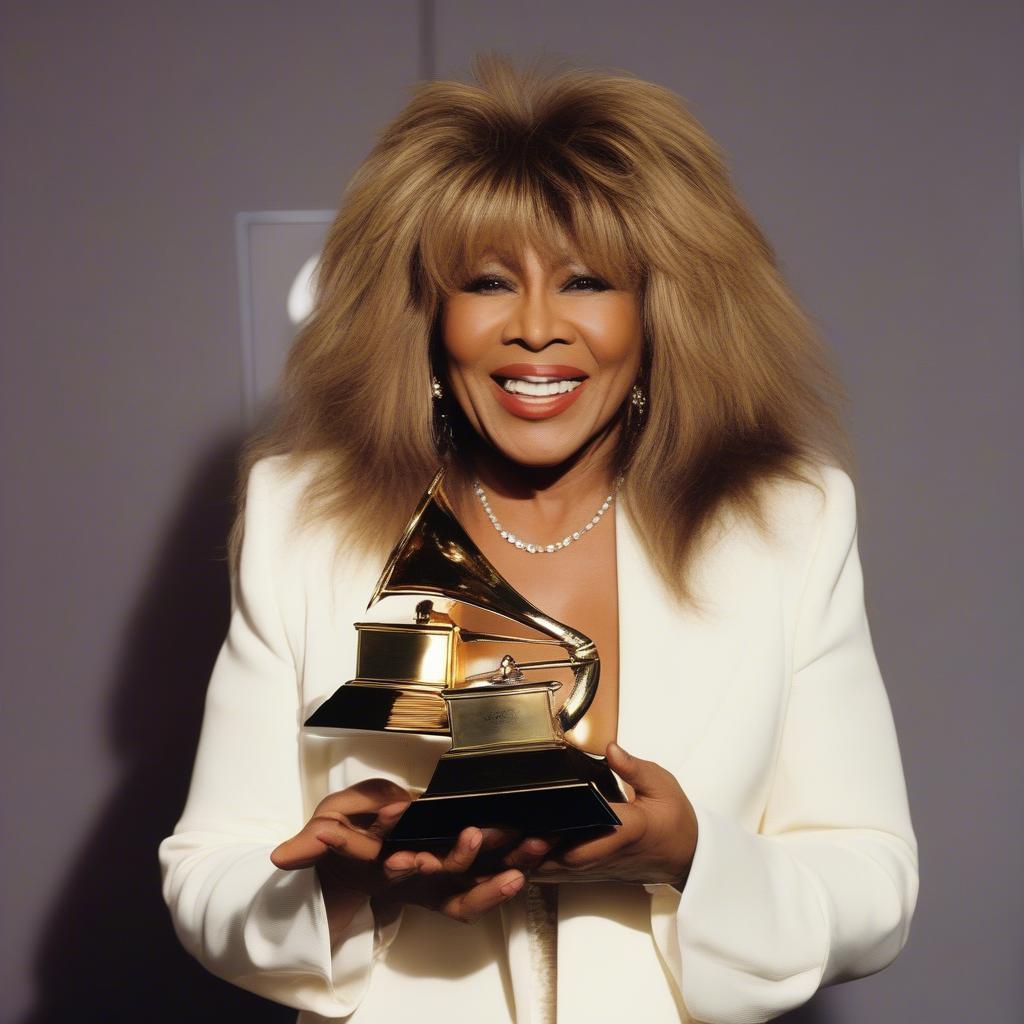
x,y
581,696
585,664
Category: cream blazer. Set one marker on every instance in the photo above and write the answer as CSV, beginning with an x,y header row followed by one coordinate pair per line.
x,y
767,706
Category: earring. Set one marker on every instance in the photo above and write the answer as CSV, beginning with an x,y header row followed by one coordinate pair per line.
x,y
636,409
444,438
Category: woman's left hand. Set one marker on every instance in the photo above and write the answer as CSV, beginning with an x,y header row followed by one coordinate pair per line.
x,y
655,842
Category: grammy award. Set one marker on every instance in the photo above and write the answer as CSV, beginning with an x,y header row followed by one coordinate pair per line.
x,y
509,764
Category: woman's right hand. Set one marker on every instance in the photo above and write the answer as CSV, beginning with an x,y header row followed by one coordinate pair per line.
x,y
343,840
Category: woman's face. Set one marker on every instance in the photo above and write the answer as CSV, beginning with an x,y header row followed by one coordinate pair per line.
x,y
540,356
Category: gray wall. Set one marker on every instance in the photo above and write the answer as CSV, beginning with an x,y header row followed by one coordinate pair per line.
x,y
876,143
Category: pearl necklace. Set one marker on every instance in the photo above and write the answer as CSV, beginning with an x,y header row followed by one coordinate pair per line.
x,y
543,549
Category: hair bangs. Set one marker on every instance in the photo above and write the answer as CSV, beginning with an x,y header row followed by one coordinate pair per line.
x,y
508,210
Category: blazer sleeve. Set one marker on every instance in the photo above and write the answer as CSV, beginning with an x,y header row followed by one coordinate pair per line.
x,y
245,920
825,890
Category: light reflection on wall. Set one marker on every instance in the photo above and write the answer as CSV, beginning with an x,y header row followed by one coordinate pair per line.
x,y
300,295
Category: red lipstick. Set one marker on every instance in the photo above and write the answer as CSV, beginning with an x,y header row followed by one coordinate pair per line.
x,y
556,371
537,407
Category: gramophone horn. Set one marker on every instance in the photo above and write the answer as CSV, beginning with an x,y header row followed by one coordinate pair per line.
x,y
437,556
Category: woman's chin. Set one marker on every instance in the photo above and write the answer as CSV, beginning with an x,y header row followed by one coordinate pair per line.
x,y
547,445
541,456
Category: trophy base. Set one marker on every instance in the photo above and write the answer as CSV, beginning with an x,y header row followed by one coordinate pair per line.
x,y
380,707
554,789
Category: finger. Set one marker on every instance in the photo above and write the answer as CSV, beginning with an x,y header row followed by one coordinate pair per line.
x,y
590,852
428,863
302,850
648,778
386,819
498,837
321,835
360,846
469,905
399,865
528,854
366,797
463,853
335,840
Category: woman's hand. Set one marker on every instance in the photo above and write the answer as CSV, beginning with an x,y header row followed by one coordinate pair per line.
x,y
655,842
344,838
465,882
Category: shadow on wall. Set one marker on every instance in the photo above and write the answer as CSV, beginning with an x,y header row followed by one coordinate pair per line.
x,y
108,951
811,1013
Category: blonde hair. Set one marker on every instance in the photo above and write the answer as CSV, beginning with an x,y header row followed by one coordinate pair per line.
x,y
739,391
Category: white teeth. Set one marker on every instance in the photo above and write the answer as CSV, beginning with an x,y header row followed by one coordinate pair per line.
x,y
540,389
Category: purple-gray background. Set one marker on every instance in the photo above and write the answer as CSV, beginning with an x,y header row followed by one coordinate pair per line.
x,y
878,145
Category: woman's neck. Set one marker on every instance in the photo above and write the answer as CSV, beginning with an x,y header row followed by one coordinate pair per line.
x,y
549,497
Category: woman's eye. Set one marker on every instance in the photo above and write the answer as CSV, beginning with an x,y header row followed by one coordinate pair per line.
x,y
486,283
585,283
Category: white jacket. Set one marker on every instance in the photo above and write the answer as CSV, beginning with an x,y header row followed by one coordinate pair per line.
x,y
769,709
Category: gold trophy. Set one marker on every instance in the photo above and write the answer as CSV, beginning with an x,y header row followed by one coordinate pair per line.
x,y
509,764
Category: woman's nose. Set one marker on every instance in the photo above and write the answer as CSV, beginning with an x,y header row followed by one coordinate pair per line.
x,y
534,320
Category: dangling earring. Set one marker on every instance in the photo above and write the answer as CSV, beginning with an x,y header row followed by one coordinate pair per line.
x,y
444,439
636,411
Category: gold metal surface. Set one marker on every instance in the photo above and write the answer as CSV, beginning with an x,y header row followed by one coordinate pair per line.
x,y
499,716
421,653
436,556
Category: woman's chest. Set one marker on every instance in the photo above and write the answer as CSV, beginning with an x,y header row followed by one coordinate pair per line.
x,y
577,586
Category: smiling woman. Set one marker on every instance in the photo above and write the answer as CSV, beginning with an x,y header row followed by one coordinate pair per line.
x,y
502,331
546,285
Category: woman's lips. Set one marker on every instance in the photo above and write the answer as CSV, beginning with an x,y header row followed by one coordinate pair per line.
x,y
558,371
538,407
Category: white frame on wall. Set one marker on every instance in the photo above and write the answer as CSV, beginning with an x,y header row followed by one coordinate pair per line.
x,y
245,221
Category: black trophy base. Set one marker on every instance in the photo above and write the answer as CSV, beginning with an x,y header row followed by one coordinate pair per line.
x,y
555,789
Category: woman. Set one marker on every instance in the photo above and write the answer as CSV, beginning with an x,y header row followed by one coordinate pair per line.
x,y
548,284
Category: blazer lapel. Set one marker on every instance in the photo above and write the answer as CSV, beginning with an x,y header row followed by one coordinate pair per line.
x,y
671,659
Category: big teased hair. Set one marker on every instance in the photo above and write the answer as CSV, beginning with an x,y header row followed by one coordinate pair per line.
x,y
739,390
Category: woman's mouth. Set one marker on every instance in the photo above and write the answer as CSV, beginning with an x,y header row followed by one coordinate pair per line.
x,y
539,388
538,392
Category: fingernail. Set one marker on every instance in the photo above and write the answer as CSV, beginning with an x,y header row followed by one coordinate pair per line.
x,y
475,840
511,888
536,846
